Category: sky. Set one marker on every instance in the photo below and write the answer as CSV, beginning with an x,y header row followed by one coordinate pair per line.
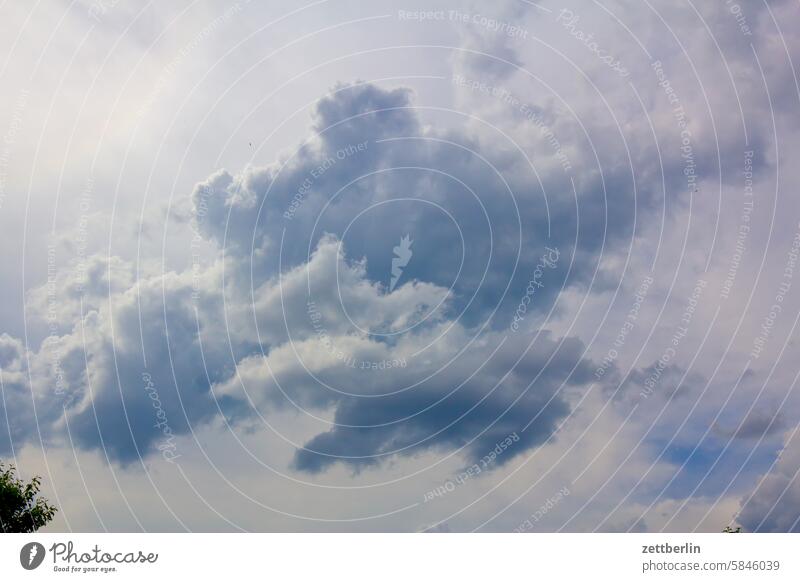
x,y
380,266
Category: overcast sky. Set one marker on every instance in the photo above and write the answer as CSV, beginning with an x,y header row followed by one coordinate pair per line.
x,y
376,266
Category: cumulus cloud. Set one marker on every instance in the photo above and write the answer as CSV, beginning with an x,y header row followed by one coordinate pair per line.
x,y
130,363
446,387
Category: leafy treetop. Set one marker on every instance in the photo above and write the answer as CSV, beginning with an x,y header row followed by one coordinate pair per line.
x,y
22,510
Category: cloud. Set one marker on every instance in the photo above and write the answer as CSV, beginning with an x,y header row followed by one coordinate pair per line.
x,y
130,363
123,385
757,424
372,174
294,313
440,385
316,231
90,381
458,407
774,504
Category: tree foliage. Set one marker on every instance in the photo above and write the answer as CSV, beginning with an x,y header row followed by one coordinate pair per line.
x,y
22,510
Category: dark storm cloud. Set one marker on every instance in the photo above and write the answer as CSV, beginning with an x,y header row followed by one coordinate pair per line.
x,y
481,413
369,147
440,386
296,200
477,213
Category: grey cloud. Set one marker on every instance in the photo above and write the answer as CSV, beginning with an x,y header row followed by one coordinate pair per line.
x,y
107,404
447,394
476,416
246,216
774,504
757,424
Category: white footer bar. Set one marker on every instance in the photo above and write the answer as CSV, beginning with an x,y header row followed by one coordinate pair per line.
x,y
401,557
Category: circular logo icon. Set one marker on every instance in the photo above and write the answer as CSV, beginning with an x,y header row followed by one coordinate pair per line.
x,y
31,555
